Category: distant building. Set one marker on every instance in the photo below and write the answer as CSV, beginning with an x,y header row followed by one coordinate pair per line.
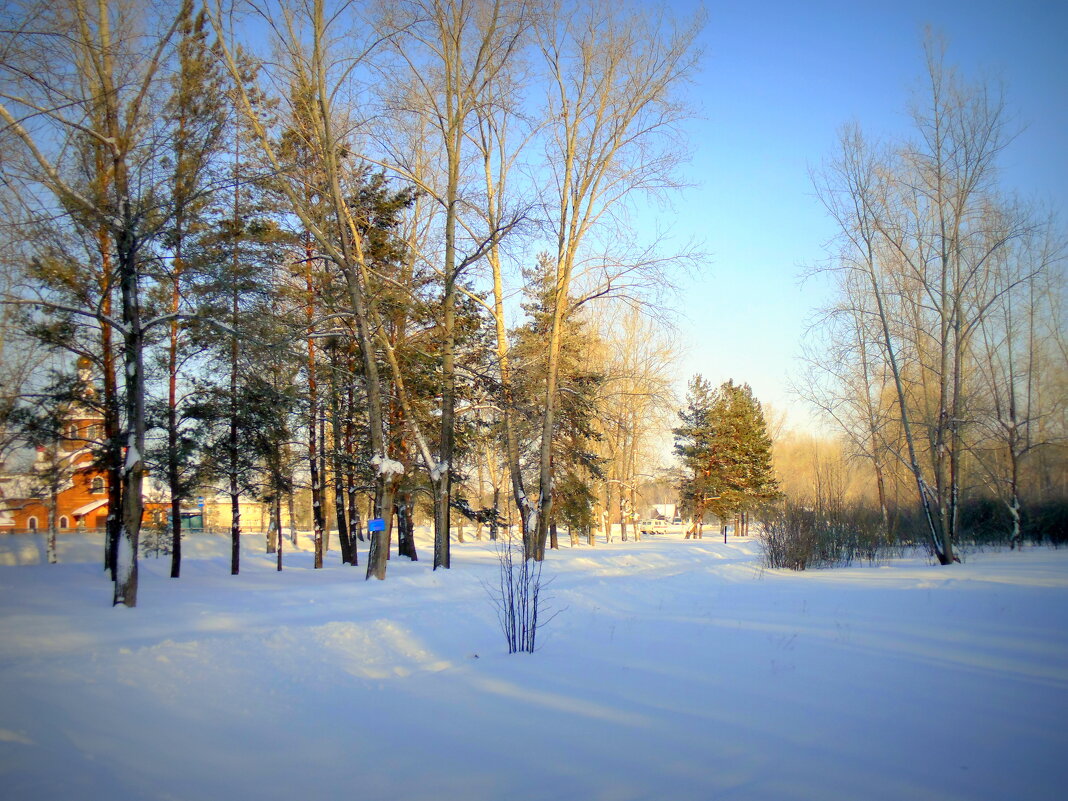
x,y
66,470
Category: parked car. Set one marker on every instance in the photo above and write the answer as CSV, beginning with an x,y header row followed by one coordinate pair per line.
x,y
653,527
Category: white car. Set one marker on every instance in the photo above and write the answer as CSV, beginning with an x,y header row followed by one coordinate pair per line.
x,y
653,527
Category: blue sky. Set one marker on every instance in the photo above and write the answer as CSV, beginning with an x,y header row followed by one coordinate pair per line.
x,y
777,81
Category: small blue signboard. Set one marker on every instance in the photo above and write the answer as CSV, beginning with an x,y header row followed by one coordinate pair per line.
x,y
376,524
200,501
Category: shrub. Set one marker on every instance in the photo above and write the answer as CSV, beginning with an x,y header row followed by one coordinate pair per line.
x,y
518,596
984,522
798,537
1047,522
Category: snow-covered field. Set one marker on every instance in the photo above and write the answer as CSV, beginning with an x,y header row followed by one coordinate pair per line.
x,y
673,670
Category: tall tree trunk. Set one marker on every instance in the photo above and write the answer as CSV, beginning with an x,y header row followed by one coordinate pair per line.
x,y
405,506
292,516
339,469
133,465
548,422
323,479
173,478
355,524
313,412
235,353
511,440
276,514
441,475
232,444
126,249
112,436
934,529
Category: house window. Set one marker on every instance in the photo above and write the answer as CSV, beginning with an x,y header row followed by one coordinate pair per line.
x,y
96,433
97,486
72,431
63,522
32,524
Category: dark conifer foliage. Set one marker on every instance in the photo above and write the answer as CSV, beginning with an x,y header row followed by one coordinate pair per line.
x,y
724,446
575,462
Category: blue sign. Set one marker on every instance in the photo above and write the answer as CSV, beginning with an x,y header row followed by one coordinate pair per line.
x,y
376,524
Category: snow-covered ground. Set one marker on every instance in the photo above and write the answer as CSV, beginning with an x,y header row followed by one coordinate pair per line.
x,y
673,670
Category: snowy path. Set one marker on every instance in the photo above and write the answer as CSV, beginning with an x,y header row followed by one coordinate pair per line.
x,y
674,670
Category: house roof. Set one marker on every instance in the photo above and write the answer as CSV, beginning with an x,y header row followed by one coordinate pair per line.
x,y
89,507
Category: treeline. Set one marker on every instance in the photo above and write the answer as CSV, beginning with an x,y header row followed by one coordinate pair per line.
x,y
291,239
831,515
942,359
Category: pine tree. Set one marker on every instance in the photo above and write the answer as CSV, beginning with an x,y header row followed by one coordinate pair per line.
x,y
723,442
196,113
747,478
693,446
240,286
573,461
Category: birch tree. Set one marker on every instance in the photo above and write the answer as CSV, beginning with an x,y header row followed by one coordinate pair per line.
x,y
848,380
502,137
637,400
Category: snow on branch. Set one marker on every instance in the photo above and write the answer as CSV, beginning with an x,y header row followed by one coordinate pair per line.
x,y
387,467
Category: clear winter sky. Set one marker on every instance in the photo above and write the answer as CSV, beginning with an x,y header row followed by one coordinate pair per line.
x,y
777,81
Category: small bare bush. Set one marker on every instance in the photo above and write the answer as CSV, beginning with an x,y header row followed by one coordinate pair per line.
x,y
518,596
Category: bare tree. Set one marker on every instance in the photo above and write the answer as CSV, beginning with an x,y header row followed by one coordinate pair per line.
x,y
1012,356
611,113
921,233
501,139
637,401
456,54
848,380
